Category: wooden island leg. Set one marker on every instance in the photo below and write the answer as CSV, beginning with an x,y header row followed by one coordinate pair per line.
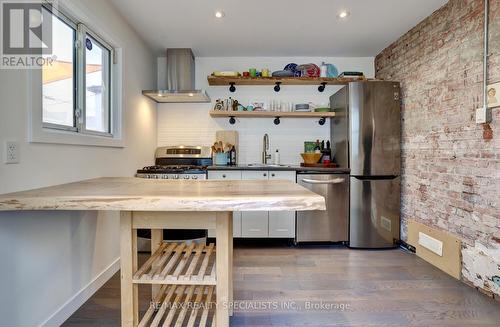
x,y
156,240
128,264
224,239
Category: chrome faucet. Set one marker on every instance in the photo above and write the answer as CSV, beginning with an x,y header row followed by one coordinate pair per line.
x,y
265,148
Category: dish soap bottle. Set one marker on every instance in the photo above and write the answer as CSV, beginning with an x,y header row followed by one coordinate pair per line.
x,y
277,157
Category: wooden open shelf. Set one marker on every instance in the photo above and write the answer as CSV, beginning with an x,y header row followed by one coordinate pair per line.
x,y
271,114
182,305
222,80
179,264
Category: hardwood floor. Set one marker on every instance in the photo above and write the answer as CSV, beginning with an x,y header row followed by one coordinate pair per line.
x,y
328,286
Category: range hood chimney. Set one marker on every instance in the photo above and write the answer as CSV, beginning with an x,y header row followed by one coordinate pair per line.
x,y
180,80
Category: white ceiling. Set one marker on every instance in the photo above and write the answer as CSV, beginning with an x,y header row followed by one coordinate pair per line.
x,y
274,27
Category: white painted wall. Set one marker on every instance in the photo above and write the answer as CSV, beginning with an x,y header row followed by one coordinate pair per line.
x,y
52,261
191,124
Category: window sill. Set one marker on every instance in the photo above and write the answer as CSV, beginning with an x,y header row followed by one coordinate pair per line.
x,y
45,135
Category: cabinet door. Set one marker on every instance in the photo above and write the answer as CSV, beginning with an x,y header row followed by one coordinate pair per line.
x,y
234,175
255,223
282,223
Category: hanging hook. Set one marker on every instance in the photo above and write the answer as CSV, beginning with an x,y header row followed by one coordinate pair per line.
x,y
277,121
232,88
232,121
321,88
322,121
277,87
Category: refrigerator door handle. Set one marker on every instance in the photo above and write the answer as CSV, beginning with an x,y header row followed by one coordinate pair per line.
x,y
330,181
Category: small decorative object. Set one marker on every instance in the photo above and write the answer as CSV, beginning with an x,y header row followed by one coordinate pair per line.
x,y
258,105
249,108
311,158
331,71
283,73
292,67
309,70
253,72
309,146
494,95
235,105
265,72
246,74
241,108
221,158
218,105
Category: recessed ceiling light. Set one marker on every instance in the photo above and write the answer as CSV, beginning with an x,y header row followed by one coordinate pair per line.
x,y
219,14
343,14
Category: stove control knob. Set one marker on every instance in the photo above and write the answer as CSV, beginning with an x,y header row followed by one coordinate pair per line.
x,y
175,176
164,177
186,177
194,177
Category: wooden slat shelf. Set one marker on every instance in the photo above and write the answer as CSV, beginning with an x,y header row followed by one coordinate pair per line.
x,y
181,305
222,80
271,114
179,264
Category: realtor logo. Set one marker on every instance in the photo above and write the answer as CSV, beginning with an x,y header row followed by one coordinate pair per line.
x,y
26,35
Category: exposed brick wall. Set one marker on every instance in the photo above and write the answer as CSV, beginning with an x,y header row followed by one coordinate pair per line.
x,y
450,165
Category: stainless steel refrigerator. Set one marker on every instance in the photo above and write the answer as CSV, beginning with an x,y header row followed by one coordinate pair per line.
x,y
365,137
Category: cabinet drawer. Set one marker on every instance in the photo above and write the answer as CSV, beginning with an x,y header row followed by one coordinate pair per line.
x,y
224,174
254,224
257,174
286,175
282,224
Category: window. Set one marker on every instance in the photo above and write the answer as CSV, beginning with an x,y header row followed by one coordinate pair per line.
x,y
59,80
76,88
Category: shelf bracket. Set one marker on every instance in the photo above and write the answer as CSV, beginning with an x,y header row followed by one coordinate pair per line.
x,y
232,88
277,87
232,120
277,121
322,121
321,88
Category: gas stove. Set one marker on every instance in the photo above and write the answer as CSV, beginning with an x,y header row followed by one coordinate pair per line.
x,y
178,162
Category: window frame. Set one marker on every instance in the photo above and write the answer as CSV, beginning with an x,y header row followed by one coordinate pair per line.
x,y
83,31
70,23
40,132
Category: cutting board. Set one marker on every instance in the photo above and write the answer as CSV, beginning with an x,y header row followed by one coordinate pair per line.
x,y
228,137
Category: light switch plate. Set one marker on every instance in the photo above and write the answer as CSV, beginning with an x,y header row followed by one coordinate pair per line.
x,y
483,115
11,152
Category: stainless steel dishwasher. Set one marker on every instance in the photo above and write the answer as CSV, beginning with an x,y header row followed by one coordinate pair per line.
x,y
325,226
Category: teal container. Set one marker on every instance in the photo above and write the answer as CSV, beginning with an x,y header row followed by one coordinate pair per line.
x,y
221,159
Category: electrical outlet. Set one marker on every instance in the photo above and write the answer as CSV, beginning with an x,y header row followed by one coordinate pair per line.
x,y
11,152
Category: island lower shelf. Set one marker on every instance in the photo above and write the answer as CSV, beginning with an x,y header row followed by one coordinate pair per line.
x,y
179,264
186,276
182,305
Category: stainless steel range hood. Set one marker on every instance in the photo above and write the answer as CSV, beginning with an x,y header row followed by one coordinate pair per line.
x,y
180,80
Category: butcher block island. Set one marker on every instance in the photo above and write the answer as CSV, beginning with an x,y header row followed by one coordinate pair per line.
x,y
185,278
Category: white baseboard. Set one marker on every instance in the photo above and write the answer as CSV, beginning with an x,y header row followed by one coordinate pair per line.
x,y
76,301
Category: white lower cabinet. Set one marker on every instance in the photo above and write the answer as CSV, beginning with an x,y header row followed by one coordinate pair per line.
x,y
234,175
282,223
254,223
261,224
